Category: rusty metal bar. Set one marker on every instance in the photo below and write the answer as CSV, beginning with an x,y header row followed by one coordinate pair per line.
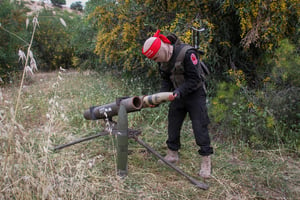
x,y
192,180
80,140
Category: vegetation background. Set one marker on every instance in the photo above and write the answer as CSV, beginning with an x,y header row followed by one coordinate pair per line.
x,y
56,62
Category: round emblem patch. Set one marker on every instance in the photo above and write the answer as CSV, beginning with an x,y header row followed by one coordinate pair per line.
x,y
194,59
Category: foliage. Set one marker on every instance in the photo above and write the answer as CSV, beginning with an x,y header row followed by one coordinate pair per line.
x,y
286,64
248,30
83,56
53,40
283,87
58,2
264,23
115,42
13,36
263,117
77,6
122,30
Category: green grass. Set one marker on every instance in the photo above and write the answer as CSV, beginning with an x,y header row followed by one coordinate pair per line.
x,y
51,113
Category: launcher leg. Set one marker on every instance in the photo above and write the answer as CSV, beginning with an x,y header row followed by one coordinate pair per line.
x,y
79,141
192,180
122,142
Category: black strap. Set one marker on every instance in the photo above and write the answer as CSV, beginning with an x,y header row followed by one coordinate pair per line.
x,y
181,54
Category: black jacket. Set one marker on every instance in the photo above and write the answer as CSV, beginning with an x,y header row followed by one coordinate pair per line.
x,y
191,74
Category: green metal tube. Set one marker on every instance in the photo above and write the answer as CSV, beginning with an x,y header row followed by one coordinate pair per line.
x,y
131,104
122,142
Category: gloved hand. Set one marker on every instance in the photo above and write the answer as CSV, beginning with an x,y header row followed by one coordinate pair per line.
x,y
176,94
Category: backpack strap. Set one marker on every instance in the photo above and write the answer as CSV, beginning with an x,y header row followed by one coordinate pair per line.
x,y
181,54
203,69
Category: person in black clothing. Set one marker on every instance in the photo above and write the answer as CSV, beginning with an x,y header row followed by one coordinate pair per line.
x,y
180,73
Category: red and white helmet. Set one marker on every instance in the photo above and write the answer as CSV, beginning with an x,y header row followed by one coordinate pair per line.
x,y
158,47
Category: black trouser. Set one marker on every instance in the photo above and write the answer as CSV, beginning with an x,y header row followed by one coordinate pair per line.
x,y
195,105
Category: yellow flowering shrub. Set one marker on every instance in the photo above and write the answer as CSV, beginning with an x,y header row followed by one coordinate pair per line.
x,y
237,33
118,33
123,26
238,77
264,22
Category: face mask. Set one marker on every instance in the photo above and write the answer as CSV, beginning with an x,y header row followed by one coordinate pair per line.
x,y
164,54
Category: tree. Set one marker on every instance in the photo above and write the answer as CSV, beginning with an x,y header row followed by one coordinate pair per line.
x,y
77,6
58,3
52,41
13,36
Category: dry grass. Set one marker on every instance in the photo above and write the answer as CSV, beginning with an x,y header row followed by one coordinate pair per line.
x,y
50,113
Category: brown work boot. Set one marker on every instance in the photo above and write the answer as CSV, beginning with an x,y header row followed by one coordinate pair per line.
x,y
205,170
172,157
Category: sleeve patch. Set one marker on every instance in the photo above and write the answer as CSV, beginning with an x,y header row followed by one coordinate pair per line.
x,y
194,59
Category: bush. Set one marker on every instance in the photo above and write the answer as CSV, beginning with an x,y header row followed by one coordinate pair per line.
x,y
264,117
12,38
53,41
